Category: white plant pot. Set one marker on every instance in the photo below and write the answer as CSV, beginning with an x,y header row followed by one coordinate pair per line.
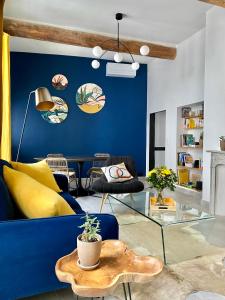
x,y
89,252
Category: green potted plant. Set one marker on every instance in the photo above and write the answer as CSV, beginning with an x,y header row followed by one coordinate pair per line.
x,y
222,143
161,178
89,243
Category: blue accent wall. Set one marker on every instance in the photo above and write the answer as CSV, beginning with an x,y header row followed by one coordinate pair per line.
x,y
119,128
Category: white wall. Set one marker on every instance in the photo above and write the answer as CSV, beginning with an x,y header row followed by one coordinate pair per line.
x,y
214,84
176,83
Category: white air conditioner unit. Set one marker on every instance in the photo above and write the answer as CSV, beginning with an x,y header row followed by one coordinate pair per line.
x,y
120,70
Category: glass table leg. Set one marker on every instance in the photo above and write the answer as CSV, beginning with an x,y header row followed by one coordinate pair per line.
x,y
163,245
124,291
129,290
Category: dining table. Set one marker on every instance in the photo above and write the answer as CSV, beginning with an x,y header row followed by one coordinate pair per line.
x,y
79,160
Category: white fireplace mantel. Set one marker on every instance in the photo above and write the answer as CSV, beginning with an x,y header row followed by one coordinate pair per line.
x,y
217,182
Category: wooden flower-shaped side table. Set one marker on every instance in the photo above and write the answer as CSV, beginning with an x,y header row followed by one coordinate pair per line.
x,y
118,265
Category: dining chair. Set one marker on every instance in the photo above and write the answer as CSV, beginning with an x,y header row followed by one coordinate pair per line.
x,y
59,165
95,171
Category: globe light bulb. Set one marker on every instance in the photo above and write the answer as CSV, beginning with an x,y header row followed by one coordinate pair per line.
x,y
135,66
144,50
95,64
118,57
97,51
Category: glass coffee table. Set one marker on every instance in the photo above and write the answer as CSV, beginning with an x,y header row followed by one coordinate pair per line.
x,y
187,209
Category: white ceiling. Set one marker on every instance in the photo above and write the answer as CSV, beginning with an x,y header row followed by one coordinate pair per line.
x,y
166,21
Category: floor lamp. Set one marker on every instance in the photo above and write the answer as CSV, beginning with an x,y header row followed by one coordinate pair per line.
x,y
43,102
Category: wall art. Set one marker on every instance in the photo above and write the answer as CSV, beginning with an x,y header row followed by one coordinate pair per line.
x,y
59,82
90,98
58,113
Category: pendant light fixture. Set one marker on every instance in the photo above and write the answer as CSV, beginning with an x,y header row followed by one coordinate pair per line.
x,y
98,51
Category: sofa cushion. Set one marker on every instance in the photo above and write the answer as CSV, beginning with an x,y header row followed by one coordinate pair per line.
x,y
39,171
72,202
34,199
6,206
2,164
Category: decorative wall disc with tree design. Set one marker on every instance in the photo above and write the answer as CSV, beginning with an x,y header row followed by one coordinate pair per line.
x,y
58,113
90,98
59,82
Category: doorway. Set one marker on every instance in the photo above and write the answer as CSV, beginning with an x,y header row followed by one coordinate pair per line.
x,y
157,139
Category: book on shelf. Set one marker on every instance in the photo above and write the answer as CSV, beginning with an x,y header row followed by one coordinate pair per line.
x,y
192,123
183,158
187,140
183,176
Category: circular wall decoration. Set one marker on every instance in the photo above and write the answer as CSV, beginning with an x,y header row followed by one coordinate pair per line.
x,y
58,113
90,98
59,82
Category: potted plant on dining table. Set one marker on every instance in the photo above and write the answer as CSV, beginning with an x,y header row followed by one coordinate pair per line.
x,y
161,178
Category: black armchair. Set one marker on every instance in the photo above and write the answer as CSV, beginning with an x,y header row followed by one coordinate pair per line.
x,y
128,187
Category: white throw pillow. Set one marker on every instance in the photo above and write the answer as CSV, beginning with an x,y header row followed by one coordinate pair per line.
x,y
117,173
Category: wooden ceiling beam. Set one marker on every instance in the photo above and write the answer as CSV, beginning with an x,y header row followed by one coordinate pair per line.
x,y
84,39
215,2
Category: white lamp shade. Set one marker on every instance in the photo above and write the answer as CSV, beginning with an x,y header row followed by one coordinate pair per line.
x,y
118,57
97,51
144,50
135,66
95,64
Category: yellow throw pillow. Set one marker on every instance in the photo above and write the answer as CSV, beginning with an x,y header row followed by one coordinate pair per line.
x,y
40,171
34,199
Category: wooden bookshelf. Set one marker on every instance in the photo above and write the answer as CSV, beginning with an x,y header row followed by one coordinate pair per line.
x,y
190,148
194,117
201,127
190,153
188,188
190,168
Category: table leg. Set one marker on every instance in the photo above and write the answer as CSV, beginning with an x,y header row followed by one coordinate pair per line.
x,y
124,291
129,290
163,246
79,191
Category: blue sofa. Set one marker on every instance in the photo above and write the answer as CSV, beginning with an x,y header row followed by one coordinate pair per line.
x,y
29,248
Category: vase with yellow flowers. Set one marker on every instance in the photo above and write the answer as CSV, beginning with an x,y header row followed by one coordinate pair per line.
x,y
161,178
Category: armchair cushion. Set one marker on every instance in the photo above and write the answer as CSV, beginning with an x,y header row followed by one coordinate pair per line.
x,y
117,173
40,171
132,186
